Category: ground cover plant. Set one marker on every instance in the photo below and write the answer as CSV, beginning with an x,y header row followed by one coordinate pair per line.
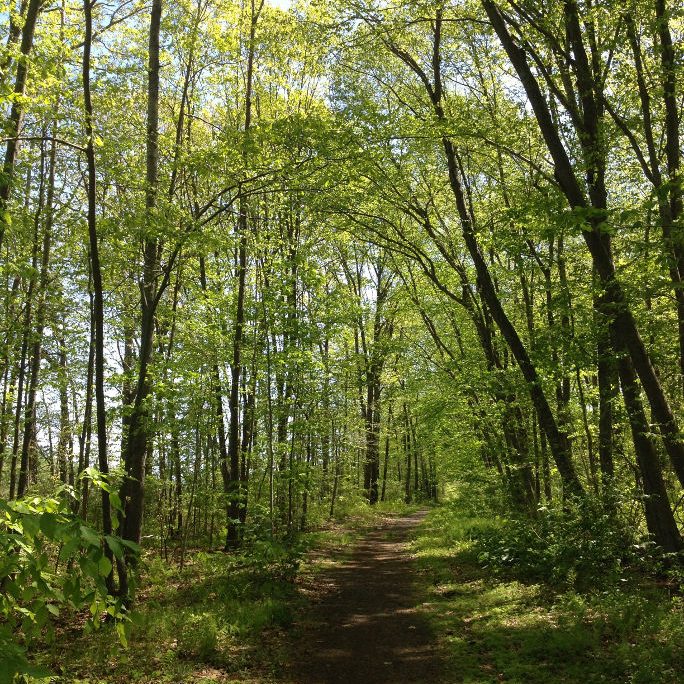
x,y
218,618
509,624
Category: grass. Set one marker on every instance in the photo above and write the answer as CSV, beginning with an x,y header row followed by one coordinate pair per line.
x,y
201,624
223,618
507,630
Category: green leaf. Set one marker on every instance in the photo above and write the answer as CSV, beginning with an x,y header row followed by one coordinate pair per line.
x,y
115,501
48,525
31,525
121,631
130,544
104,566
90,536
115,545
69,548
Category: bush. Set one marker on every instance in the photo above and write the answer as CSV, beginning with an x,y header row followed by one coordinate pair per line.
x,y
576,546
198,638
50,560
275,561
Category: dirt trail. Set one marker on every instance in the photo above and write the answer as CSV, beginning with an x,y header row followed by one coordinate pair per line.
x,y
368,629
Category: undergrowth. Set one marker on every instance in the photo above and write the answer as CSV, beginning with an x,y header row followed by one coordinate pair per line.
x,y
513,605
221,618
581,545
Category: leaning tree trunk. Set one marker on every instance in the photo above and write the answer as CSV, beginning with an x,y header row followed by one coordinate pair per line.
x,y
659,517
16,117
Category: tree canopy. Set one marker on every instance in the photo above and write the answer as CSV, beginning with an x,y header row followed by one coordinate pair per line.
x,y
262,260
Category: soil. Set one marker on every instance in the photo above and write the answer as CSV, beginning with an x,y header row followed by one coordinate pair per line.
x,y
367,626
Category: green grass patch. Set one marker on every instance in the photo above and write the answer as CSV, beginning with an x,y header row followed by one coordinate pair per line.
x,y
216,620
499,629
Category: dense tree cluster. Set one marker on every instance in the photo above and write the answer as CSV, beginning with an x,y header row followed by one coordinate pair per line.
x,y
259,261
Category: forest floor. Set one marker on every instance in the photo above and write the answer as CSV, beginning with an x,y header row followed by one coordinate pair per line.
x,y
395,597
496,627
367,624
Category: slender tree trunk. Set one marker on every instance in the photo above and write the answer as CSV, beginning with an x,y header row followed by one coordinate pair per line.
x,y
9,376
127,383
98,286
233,484
21,372
16,117
233,492
563,385
671,213
606,377
659,517
372,456
13,35
33,336
85,436
325,436
137,441
8,382
307,483
387,452
407,453
217,393
65,440
248,436
336,480
29,442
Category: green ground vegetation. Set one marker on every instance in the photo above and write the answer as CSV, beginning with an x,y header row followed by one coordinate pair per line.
x,y
221,617
504,623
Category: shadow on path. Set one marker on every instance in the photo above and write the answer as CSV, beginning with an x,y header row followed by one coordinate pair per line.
x,y
369,628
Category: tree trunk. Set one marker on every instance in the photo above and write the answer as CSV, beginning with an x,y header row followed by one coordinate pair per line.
x,y
659,517
98,287
29,442
137,441
65,440
16,117
233,492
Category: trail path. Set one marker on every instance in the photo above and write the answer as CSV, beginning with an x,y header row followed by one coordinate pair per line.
x,y
368,628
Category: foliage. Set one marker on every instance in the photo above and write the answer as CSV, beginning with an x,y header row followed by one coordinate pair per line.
x,y
580,544
52,562
355,510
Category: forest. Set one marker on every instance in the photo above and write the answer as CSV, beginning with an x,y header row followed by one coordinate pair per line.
x,y
341,317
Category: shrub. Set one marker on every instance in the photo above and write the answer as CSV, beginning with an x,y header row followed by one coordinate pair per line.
x,y
575,546
50,560
198,638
